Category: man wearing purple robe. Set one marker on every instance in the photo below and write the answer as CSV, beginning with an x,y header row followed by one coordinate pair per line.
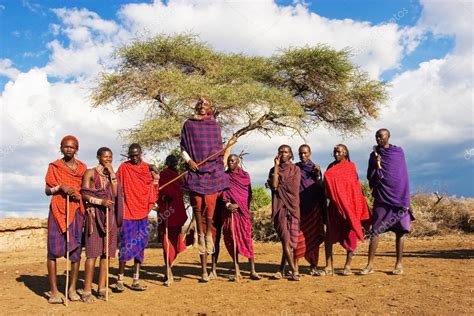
x,y
388,178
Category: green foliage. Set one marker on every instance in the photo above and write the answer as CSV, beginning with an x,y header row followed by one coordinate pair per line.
x,y
260,198
294,90
367,193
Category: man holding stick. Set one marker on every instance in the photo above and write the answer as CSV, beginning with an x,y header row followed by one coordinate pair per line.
x,y
388,178
63,182
200,139
103,194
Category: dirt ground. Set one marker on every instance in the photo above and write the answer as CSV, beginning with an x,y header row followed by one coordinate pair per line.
x,y
438,279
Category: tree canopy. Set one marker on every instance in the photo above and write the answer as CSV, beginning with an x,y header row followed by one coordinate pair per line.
x,y
292,91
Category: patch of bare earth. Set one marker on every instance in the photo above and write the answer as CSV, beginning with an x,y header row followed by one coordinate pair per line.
x,y
438,279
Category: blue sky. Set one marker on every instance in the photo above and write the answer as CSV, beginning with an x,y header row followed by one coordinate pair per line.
x,y
51,53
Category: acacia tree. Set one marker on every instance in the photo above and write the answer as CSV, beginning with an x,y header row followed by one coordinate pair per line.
x,y
292,91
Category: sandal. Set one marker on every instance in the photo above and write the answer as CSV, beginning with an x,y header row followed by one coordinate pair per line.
x,y
234,278
313,270
277,276
137,287
347,271
119,286
323,272
204,278
366,271
101,295
295,276
73,296
213,276
398,271
255,276
56,299
87,297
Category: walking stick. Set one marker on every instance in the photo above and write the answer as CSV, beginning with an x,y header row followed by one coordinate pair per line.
x,y
107,254
235,246
168,268
325,241
214,155
67,249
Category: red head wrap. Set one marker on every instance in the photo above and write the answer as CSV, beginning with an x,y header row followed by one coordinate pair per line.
x,y
70,137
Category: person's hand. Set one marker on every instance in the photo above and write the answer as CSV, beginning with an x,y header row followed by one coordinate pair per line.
x,y
107,203
378,162
108,167
193,165
75,196
156,178
317,168
277,160
67,189
233,207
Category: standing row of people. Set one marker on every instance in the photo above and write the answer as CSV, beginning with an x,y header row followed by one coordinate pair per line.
x,y
300,208
94,198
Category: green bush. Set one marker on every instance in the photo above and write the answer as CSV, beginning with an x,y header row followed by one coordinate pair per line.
x,y
260,198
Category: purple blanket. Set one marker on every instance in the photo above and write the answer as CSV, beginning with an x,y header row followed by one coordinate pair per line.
x,y
201,138
390,184
311,188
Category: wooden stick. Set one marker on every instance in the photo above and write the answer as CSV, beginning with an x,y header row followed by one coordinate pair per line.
x,y
199,164
235,246
67,250
168,268
379,164
107,254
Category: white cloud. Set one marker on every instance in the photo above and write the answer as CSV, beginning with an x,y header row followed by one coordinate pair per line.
x,y
7,69
36,114
263,27
91,42
450,18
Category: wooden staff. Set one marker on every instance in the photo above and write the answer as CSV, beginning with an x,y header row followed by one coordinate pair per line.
x,y
168,268
214,155
107,254
67,250
235,246
379,164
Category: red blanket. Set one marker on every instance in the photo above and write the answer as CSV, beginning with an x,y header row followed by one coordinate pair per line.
x,y
174,211
344,190
139,192
58,174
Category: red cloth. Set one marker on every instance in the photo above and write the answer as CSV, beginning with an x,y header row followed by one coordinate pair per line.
x,y
240,192
347,202
174,212
139,192
311,236
58,174
176,242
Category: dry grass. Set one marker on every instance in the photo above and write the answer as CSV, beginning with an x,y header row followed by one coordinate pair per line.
x,y
441,215
435,216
